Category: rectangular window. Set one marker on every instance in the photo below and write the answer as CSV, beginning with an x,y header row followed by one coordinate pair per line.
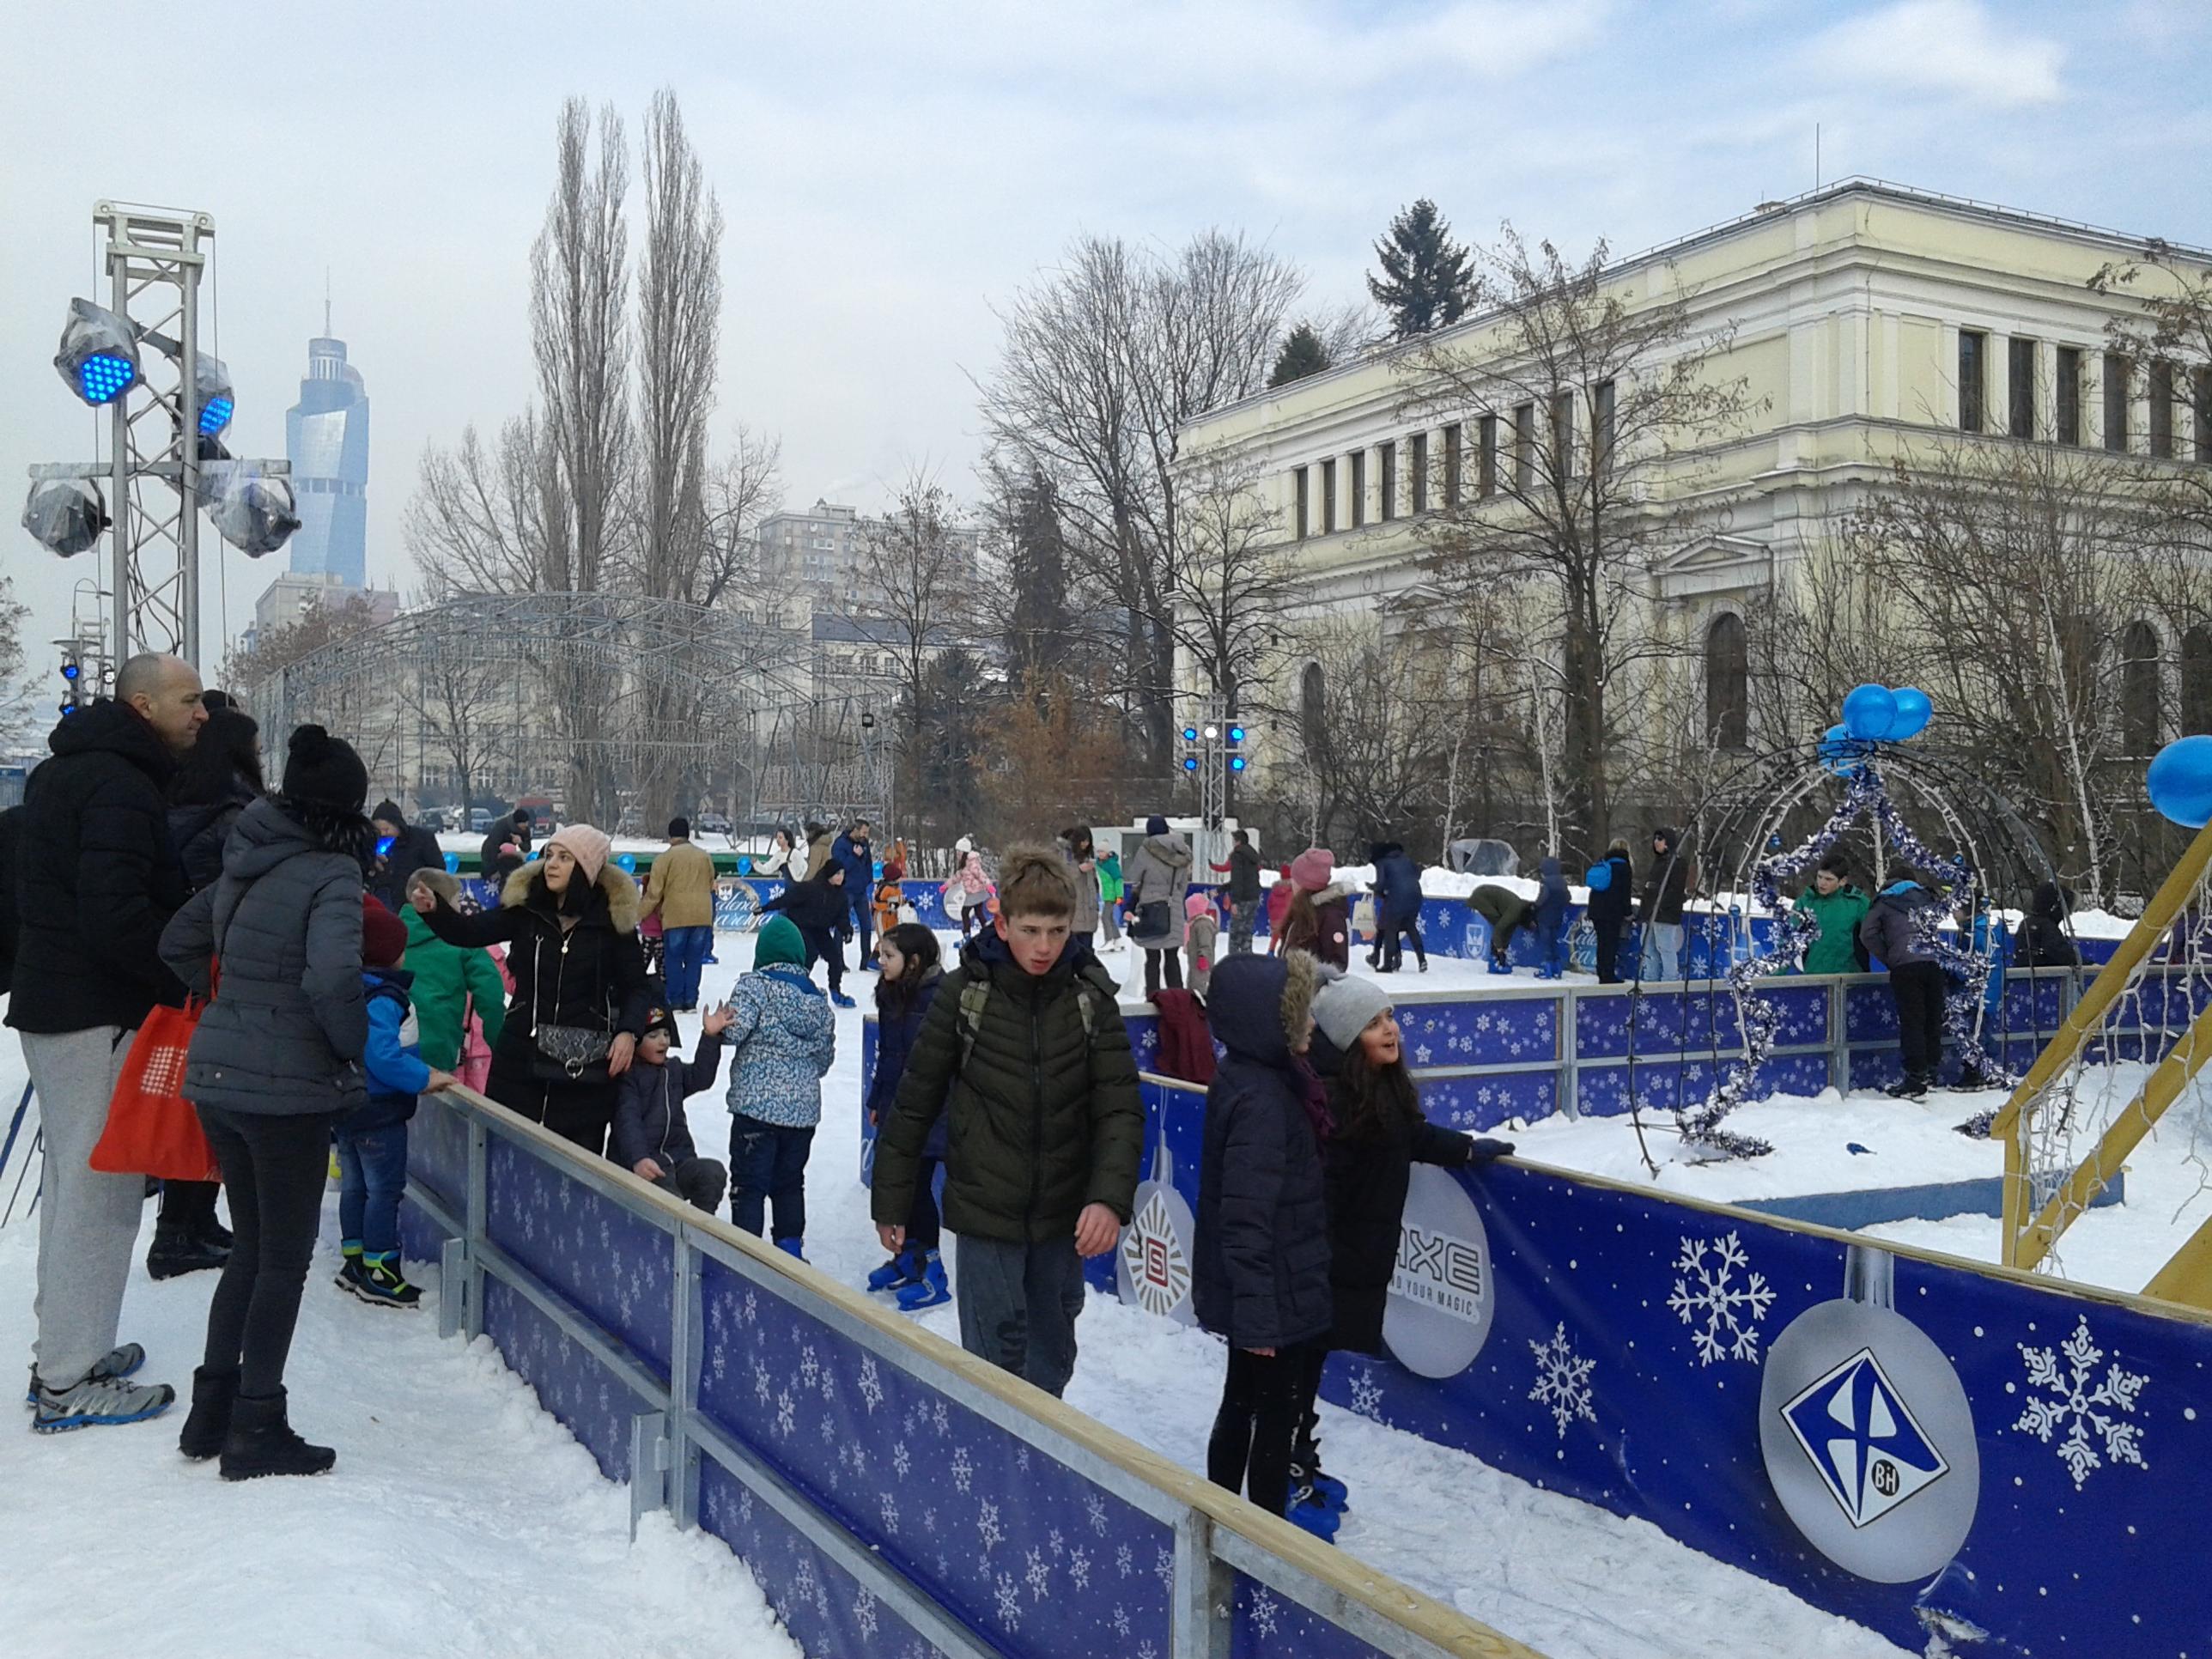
x,y
2200,398
1328,495
1524,447
1563,433
1602,438
1389,461
1971,351
1358,488
2019,387
1451,466
2117,378
1485,470
1420,472
1302,514
2162,411
2067,393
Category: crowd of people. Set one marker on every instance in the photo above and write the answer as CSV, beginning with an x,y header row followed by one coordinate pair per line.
x,y
340,972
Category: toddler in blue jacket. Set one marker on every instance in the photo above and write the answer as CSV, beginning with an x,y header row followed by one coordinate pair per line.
x,y
783,1038
372,1142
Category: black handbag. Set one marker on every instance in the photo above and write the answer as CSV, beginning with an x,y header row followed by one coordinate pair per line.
x,y
567,1052
1152,921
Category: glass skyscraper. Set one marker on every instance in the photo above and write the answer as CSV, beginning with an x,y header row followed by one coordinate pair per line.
x,y
326,440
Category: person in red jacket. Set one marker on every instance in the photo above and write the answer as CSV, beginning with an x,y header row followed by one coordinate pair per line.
x,y
1278,908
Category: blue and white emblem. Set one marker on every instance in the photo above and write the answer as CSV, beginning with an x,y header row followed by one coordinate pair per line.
x,y
1863,1440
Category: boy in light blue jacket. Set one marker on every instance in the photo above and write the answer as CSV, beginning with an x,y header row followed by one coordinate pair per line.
x,y
372,1140
782,1039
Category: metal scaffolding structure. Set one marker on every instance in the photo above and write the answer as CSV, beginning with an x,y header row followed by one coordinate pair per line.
x,y
621,709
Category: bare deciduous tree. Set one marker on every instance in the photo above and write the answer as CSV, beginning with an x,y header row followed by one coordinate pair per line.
x,y
1586,400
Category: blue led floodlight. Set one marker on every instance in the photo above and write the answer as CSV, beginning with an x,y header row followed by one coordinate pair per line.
x,y
215,415
1236,735
216,399
99,354
1190,762
1236,763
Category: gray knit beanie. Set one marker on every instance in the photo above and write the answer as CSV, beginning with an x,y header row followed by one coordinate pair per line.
x,y
1344,1005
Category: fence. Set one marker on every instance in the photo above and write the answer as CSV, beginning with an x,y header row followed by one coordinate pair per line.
x,y
892,1494
1966,1458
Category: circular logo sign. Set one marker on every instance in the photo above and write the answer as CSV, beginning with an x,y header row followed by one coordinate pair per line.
x,y
1869,1441
1442,1296
1154,1267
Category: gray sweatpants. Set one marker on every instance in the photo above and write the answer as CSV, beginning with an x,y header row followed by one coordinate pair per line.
x,y
87,1221
1018,1304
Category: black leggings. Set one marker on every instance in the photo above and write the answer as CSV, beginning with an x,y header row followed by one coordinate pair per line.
x,y
276,1168
1152,969
1257,1424
1393,943
1918,989
1607,930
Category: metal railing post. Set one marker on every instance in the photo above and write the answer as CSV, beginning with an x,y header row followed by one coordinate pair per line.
x,y
1569,1071
1839,1048
1203,1619
685,1347
649,1465
476,1217
455,1294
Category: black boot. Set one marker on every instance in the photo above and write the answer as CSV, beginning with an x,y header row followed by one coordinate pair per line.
x,y
212,1233
262,1442
175,1251
207,1427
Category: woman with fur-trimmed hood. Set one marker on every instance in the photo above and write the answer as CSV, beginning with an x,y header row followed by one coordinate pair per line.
x,y
569,920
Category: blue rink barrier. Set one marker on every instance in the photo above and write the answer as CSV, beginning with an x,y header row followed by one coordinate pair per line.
x,y
1966,1459
891,1494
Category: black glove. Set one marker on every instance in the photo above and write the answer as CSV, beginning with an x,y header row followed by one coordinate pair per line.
x,y
1484,1150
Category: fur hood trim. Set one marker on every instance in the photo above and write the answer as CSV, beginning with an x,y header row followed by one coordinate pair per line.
x,y
1301,983
623,902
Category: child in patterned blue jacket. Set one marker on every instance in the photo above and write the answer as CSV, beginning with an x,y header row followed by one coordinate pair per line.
x,y
783,1038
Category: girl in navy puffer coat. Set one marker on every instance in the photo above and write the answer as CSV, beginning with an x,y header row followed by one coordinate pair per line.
x,y
909,965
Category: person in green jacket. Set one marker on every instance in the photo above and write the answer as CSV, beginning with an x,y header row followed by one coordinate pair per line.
x,y
448,979
1025,1050
1109,895
1836,908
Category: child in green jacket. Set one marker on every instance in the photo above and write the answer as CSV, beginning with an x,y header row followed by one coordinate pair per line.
x,y
1109,897
449,979
1836,908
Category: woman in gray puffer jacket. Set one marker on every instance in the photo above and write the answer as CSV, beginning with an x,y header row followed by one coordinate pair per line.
x,y
1159,874
275,1064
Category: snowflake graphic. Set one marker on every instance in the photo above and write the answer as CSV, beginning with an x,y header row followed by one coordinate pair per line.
x,y
988,1528
1731,1307
1022,1460
751,1314
929,1521
1057,1544
1367,1394
809,1367
1126,1562
1038,1574
746,1507
890,1513
2082,1404
1095,1506
1078,1568
871,1386
1562,1381
1421,1054
787,1420
1163,1567
901,1460
963,1472
803,1585
1121,1621
940,1418
1264,1612
763,1385
828,1431
863,1613
1009,1601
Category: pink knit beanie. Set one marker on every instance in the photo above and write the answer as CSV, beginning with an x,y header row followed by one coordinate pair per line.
x,y
1312,868
588,845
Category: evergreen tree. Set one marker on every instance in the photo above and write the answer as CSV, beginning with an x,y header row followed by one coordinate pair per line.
x,y
1426,280
1039,626
1303,353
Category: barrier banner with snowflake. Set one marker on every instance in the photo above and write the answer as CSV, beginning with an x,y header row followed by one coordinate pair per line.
x,y
1623,1363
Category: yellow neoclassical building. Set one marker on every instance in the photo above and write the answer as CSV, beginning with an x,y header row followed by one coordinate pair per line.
x,y
1862,318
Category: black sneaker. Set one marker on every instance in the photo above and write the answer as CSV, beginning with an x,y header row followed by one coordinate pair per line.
x,y
376,1280
1911,1088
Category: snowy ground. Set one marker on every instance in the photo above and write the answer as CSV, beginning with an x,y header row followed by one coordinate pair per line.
x,y
451,1483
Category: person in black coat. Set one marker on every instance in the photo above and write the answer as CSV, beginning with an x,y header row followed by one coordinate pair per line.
x,y
414,847
1612,897
1260,1277
1550,921
217,781
495,863
911,969
1376,1133
96,881
569,922
2045,941
1398,907
11,822
817,908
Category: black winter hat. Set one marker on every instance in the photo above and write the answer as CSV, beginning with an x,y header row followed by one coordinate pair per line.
x,y
657,1018
324,770
520,815
388,810
678,828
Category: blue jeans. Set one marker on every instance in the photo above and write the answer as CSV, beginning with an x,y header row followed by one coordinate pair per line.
x,y
1663,949
864,924
768,1161
686,948
372,1174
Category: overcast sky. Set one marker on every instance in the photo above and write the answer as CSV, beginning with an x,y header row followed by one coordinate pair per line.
x,y
889,171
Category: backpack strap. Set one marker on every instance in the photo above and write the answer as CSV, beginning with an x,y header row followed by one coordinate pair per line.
x,y
973,996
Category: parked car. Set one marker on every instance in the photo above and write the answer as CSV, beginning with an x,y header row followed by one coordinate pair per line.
x,y
711,823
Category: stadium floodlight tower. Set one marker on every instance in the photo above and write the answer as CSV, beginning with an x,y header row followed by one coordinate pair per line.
x,y
169,405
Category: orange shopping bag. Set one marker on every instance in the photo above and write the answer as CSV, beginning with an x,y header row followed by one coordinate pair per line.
x,y
152,1129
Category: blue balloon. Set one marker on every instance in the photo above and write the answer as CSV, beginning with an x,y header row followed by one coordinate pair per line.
x,y
1601,877
1834,743
453,864
629,863
1914,711
2180,782
745,867
1867,712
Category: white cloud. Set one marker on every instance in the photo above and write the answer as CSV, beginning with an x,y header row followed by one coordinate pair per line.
x,y
1957,48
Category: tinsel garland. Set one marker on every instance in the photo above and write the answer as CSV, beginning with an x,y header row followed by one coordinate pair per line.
x,y
1791,937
